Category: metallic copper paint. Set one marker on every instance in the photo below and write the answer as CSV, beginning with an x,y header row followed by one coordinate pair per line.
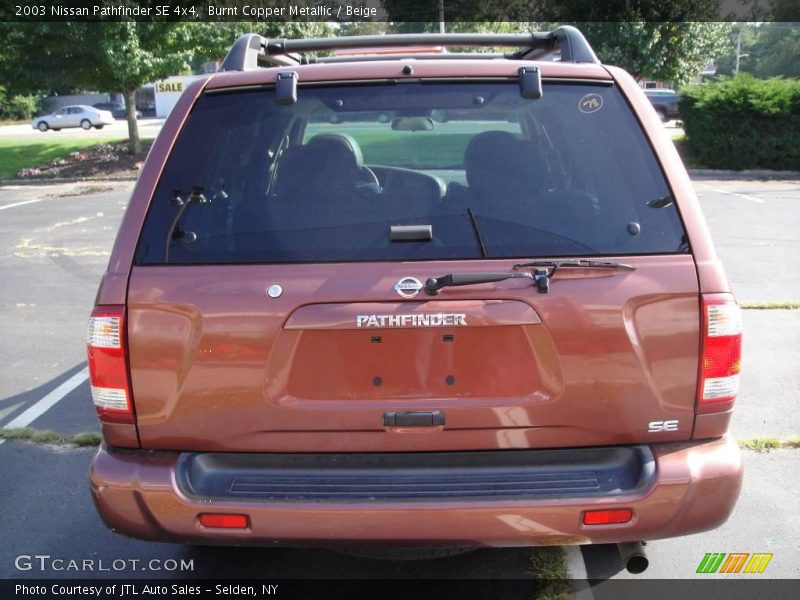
x,y
610,355
695,490
707,426
120,435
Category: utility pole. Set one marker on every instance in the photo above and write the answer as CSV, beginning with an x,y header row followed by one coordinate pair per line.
x,y
441,16
738,51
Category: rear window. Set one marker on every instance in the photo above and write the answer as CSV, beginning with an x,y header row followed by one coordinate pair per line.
x,y
493,174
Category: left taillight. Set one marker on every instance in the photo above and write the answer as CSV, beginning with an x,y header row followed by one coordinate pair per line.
x,y
108,364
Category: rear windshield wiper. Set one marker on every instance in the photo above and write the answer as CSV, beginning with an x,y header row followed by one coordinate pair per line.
x,y
577,263
542,276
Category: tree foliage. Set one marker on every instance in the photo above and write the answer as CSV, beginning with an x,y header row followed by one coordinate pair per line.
x,y
769,49
109,56
119,56
652,39
212,40
663,51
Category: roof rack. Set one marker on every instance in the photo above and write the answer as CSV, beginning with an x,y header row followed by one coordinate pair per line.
x,y
251,49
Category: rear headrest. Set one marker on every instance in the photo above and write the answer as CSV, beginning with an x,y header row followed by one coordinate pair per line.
x,y
497,161
336,143
328,165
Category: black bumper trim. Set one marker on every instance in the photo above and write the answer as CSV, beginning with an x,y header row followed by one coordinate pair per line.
x,y
399,477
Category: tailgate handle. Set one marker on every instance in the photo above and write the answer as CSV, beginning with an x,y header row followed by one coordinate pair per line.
x,y
413,418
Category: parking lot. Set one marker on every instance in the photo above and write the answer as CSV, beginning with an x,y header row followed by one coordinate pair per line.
x,y
55,241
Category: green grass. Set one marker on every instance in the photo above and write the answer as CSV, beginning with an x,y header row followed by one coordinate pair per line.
x,y
19,154
767,443
784,304
549,566
45,436
413,149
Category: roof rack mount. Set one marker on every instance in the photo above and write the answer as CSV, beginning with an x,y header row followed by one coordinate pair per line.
x,y
251,49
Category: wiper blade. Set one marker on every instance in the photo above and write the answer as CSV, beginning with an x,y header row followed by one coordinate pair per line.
x,y
474,221
540,276
434,284
577,264
661,202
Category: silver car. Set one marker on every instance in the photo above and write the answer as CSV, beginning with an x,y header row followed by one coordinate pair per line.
x,y
81,116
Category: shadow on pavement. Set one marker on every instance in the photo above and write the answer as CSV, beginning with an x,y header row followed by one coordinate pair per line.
x,y
18,403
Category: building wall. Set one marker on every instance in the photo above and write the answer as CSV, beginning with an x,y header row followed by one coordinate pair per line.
x,y
53,103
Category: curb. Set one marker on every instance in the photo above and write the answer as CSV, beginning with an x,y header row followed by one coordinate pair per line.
x,y
33,181
746,174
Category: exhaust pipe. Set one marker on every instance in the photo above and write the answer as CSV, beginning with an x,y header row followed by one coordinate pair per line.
x,y
633,556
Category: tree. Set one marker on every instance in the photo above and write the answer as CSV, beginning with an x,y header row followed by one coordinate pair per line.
x,y
119,56
767,50
34,56
366,28
780,51
134,53
668,41
214,39
664,51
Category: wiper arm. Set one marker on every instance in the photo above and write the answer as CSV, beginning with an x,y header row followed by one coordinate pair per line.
x,y
661,202
434,284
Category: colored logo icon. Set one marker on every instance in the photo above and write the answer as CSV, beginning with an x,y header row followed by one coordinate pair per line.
x,y
734,562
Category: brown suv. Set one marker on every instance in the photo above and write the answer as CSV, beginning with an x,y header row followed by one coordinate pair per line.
x,y
414,299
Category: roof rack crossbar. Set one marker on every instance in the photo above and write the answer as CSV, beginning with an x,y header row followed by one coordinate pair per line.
x,y
251,48
415,56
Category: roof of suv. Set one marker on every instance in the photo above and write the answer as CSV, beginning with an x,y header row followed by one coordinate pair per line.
x,y
561,53
467,66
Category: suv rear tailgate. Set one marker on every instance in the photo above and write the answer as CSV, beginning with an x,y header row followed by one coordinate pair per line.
x,y
216,364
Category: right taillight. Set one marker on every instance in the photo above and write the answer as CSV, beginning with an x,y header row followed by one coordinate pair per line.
x,y
721,352
108,368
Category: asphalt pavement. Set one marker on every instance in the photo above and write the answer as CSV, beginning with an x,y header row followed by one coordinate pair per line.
x,y
55,241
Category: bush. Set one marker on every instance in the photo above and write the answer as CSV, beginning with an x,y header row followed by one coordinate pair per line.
x,y
18,108
743,123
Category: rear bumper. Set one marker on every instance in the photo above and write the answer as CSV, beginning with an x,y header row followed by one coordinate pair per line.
x,y
693,488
